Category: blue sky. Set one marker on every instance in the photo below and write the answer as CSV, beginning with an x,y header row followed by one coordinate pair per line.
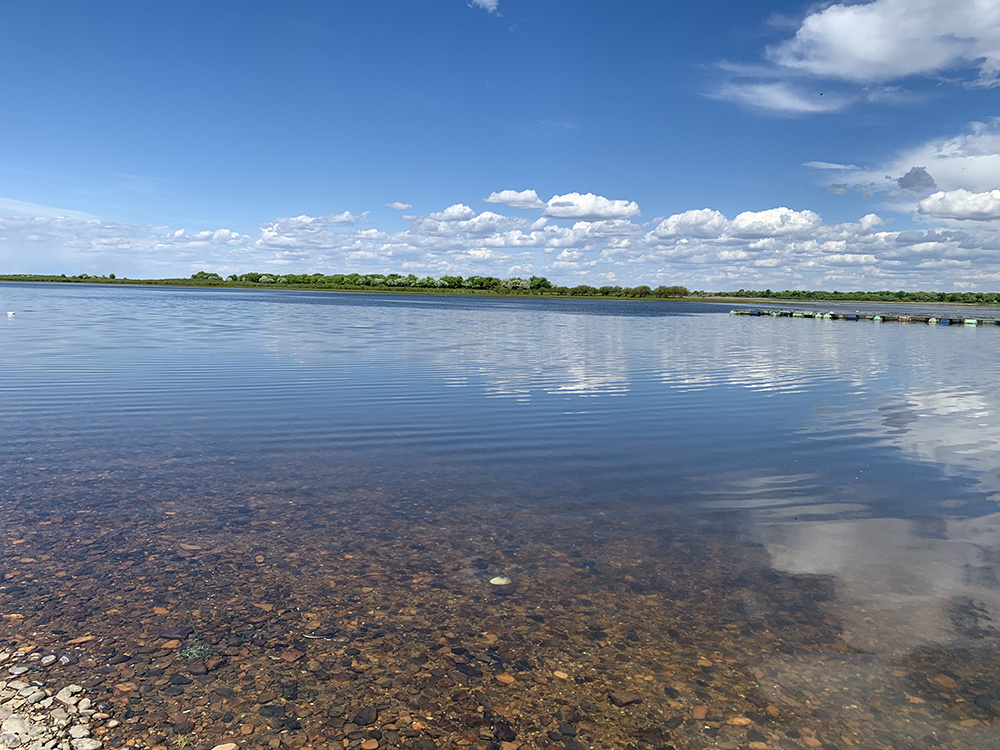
x,y
715,145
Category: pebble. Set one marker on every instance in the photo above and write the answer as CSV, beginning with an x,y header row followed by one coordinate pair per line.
x,y
227,746
30,717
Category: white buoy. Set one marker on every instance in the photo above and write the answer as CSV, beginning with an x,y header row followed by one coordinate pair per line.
x,y
10,314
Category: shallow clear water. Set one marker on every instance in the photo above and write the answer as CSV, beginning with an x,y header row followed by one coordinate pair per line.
x,y
860,461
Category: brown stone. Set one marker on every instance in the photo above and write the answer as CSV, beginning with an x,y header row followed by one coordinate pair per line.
x,y
699,712
369,744
506,679
214,662
293,655
624,698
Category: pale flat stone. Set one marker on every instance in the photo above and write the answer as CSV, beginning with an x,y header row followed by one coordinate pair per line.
x,y
86,743
16,723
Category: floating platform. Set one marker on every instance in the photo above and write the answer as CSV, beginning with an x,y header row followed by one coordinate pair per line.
x,y
873,317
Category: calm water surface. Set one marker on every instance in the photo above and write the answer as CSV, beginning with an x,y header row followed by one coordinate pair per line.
x,y
791,524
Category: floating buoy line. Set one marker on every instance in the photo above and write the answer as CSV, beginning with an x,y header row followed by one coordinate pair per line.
x,y
933,320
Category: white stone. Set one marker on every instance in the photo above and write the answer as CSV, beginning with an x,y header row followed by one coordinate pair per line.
x,y
86,743
9,739
49,659
17,670
500,581
66,697
79,731
36,697
16,723
84,704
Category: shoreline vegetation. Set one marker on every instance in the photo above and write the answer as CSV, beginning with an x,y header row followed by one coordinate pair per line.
x,y
535,286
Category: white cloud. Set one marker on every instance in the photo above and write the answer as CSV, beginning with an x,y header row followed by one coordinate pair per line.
x,y
961,204
702,222
774,222
589,207
827,165
516,199
706,223
490,6
397,206
457,212
967,161
780,97
853,52
888,40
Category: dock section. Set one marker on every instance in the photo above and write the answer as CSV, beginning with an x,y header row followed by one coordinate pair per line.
x,y
873,317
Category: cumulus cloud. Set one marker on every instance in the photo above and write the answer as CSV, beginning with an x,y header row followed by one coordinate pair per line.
x,y
702,223
962,205
774,222
710,224
851,52
589,207
457,212
397,206
516,199
887,40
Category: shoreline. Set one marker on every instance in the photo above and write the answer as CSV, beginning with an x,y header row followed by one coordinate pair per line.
x,y
462,292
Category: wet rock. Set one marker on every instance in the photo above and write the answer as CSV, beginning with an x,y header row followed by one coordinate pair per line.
x,y
504,732
365,717
179,633
624,698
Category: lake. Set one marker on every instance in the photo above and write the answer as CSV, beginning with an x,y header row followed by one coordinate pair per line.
x,y
312,519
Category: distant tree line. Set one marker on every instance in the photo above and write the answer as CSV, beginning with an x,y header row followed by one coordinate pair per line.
x,y
537,285
493,285
982,298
